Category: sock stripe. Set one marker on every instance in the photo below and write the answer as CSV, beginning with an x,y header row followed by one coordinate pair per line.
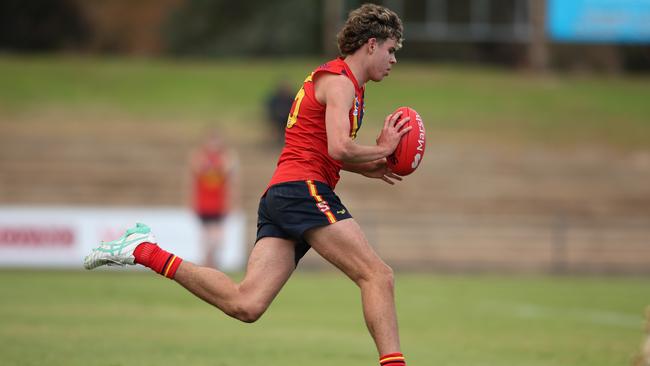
x,y
391,355
396,359
171,263
162,269
160,261
393,359
394,362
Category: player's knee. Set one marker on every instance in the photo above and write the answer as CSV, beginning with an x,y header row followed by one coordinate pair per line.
x,y
388,276
380,274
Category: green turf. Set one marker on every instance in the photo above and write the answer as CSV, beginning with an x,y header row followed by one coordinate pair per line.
x,y
484,103
125,318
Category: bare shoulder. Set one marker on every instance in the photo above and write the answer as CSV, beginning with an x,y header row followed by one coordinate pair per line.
x,y
328,86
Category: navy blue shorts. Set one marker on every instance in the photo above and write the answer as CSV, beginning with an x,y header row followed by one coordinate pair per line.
x,y
289,209
211,218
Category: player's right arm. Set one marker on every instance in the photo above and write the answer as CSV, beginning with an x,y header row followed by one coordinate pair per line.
x,y
373,169
336,92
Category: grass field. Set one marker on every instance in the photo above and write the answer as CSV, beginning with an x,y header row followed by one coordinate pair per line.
x,y
132,318
458,101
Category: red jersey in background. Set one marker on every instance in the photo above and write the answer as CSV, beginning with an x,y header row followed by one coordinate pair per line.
x,y
211,184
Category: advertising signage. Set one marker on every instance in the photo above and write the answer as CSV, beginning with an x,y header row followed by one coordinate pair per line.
x,y
599,21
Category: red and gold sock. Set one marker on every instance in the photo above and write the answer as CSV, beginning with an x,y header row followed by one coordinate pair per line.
x,y
152,256
392,359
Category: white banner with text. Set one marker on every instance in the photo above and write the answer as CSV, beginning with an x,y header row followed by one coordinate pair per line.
x,y
62,236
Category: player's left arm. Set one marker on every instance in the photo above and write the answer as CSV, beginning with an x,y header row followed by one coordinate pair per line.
x,y
373,169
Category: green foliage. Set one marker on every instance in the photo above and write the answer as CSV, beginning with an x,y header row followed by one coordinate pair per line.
x,y
246,28
120,317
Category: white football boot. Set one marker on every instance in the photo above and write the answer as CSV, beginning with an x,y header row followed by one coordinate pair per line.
x,y
119,252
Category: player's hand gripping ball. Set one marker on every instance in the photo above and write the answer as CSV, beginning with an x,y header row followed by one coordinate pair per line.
x,y
410,150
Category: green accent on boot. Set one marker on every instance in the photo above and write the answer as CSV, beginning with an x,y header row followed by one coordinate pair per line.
x,y
138,229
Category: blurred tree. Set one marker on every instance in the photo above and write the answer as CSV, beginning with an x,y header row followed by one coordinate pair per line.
x,y
637,58
126,26
333,19
40,25
245,28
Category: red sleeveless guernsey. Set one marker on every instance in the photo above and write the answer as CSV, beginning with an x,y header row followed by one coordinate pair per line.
x,y
305,156
211,185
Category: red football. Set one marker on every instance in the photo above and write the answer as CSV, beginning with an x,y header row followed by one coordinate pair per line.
x,y
410,150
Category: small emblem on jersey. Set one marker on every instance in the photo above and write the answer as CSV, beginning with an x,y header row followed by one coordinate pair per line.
x,y
357,117
359,111
356,106
341,212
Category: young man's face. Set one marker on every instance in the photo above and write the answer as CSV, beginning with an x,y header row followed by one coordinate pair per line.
x,y
382,58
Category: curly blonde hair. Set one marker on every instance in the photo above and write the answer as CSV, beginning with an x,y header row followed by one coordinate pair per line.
x,y
369,21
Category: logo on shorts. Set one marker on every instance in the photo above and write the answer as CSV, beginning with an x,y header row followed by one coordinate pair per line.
x,y
323,206
341,212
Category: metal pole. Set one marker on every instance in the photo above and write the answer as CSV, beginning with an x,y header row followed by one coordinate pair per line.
x,y
538,46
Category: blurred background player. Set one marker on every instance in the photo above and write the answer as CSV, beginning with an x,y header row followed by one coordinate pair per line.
x,y
214,197
278,106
